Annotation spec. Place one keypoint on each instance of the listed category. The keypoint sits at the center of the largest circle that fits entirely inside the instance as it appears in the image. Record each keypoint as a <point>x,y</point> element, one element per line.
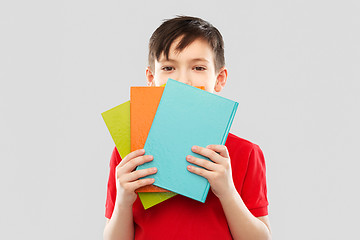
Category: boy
<point>190,50</point>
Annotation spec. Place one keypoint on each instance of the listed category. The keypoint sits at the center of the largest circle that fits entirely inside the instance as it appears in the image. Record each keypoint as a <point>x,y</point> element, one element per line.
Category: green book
<point>117,121</point>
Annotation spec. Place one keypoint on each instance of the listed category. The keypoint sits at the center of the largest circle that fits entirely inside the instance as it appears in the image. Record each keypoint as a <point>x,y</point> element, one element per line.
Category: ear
<point>150,77</point>
<point>221,79</point>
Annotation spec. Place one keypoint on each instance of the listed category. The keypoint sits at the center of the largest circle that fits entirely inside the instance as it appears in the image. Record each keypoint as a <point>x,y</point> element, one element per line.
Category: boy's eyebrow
<point>200,60</point>
<point>192,60</point>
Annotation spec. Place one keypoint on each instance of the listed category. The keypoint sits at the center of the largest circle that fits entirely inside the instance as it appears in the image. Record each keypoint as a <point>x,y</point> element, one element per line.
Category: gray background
<point>293,67</point>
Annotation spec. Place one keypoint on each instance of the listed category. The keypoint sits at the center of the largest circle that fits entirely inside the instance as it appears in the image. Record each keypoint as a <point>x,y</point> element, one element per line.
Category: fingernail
<point>188,157</point>
<point>194,148</point>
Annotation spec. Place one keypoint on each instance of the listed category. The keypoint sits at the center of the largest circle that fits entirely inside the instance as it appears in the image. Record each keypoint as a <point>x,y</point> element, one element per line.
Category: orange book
<point>143,105</point>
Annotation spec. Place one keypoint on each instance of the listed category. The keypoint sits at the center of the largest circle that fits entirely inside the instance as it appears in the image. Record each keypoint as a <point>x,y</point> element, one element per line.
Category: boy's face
<point>194,66</point>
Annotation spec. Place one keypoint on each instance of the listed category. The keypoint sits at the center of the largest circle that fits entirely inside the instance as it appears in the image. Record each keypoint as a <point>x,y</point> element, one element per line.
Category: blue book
<point>186,116</point>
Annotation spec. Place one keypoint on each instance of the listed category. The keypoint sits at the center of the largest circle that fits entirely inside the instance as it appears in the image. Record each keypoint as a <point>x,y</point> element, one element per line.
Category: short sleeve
<point>254,190</point>
<point>111,186</point>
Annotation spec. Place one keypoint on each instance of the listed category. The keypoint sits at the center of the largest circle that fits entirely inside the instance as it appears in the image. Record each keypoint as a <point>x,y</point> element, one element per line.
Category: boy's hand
<point>127,180</point>
<point>217,171</point>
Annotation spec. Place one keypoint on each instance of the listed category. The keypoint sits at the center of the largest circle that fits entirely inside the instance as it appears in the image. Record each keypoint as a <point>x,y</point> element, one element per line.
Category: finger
<point>133,176</point>
<point>132,155</point>
<point>221,149</point>
<point>209,165</point>
<point>215,157</point>
<point>199,171</point>
<point>133,163</point>
<point>140,183</point>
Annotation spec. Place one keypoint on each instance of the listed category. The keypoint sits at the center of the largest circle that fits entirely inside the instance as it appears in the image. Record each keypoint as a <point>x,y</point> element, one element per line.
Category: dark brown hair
<point>190,29</point>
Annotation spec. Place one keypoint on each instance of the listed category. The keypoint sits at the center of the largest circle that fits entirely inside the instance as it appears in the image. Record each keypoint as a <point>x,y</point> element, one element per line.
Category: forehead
<point>199,49</point>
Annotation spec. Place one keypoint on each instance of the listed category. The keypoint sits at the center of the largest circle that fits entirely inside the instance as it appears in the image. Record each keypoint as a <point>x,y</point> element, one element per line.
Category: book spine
<point>206,191</point>
<point>227,129</point>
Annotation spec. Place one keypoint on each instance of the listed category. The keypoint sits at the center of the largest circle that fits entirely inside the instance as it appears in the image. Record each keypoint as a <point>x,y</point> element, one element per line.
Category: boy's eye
<point>199,68</point>
<point>167,68</point>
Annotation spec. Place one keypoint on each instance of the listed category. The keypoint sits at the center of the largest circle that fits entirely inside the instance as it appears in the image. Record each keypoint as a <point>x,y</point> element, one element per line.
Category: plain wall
<point>293,67</point>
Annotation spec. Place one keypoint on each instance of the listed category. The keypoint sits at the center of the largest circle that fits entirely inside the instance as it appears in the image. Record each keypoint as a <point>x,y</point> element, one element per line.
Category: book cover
<point>186,116</point>
<point>149,199</point>
<point>143,105</point>
<point>117,120</point>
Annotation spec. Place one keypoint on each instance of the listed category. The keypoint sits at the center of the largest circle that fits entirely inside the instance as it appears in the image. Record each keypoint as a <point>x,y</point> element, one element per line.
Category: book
<point>143,105</point>
<point>186,116</point>
<point>150,199</point>
<point>117,120</point>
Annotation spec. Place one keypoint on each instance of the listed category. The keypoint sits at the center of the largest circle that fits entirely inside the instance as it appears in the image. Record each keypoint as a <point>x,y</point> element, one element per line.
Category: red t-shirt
<point>183,218</point>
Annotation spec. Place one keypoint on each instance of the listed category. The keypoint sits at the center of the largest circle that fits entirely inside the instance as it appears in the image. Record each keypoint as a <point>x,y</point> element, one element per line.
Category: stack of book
<point>167,122</point>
